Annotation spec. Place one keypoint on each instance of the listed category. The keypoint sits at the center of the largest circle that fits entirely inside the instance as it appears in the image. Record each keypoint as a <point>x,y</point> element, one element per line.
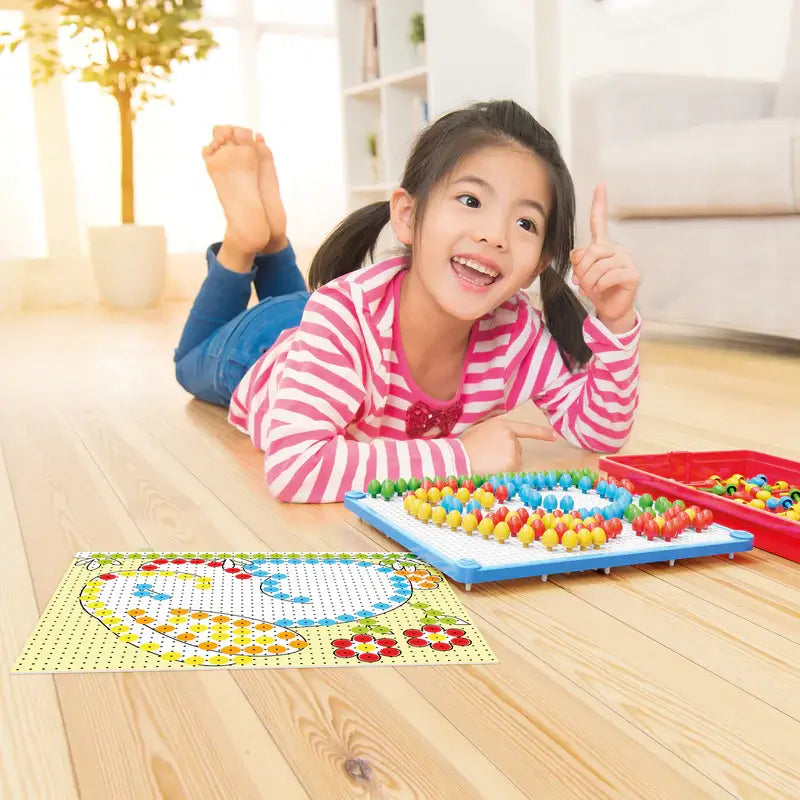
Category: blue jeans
<point>222,337</point>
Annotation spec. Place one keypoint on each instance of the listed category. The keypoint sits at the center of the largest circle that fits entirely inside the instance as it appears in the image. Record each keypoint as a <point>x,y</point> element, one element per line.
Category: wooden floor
<point>676,683</point>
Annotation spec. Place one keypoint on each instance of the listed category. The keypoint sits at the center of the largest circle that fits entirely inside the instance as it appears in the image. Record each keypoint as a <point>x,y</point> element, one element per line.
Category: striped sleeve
<point>322,392</point>
<point>592,408</point>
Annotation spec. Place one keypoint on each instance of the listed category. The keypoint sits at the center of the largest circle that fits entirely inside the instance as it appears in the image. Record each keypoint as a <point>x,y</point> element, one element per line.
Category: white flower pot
<point>130,263</point>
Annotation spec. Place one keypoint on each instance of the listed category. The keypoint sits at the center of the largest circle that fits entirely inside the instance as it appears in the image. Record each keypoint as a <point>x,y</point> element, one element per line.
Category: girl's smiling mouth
<point>476,272</point>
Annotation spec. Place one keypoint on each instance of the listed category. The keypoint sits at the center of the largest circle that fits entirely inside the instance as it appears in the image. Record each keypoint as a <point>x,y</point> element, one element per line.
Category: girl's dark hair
<point>435,154</point>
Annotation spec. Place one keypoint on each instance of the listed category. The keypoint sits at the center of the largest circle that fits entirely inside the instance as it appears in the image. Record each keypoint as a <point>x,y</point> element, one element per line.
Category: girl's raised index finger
<point>598,215</point>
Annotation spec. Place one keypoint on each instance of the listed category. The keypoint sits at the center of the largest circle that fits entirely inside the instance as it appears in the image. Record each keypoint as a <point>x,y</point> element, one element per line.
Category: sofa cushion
<point>740,168</point>
<point>787,98</point>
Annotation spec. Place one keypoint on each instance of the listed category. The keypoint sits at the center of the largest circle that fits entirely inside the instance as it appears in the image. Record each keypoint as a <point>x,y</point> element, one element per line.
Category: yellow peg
<point>469,522</point>
<point>525,535</point>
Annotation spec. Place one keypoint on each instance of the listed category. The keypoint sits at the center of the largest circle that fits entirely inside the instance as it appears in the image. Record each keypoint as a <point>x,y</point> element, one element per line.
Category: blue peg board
<point>472,559</point>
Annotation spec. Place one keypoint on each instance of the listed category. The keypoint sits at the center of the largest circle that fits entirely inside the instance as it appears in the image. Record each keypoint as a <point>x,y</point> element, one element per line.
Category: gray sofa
<point>703,180</point>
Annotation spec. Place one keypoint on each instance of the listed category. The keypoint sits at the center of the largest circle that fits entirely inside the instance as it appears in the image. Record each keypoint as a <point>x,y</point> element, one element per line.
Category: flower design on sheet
<point>437,637</point>
<point>366,648</point>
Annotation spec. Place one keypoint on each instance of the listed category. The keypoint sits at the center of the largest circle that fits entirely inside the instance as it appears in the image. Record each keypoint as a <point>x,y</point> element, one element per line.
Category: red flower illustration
<point>365,648</point>
<point>436,637</point>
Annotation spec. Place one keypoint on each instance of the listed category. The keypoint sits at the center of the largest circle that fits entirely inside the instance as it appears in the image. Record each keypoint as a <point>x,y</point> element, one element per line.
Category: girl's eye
<point>527,225</point>
<point>469,200</point>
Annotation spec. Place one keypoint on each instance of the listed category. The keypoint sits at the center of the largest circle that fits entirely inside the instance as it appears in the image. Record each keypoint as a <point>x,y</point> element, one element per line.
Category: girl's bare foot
<point>233,166</point>
<point>271,197</point>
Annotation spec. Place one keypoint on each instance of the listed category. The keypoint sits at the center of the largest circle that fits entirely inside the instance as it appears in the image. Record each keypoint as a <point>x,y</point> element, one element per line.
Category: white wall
<point>495,44</point>
<point>719,38</point>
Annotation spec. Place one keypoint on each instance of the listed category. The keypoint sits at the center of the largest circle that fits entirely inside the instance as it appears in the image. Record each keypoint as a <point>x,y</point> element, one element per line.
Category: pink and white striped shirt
<point>327,402</point>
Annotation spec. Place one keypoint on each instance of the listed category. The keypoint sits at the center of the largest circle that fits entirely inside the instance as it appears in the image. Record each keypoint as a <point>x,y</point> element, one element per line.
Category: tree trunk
<point>126,139</point>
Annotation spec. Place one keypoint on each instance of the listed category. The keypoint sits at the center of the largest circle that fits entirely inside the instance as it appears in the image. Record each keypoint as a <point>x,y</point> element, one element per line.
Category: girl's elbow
<point>277,491</point>
<point>614,445</point>
<point>283,495</point>
<point>279,488</point>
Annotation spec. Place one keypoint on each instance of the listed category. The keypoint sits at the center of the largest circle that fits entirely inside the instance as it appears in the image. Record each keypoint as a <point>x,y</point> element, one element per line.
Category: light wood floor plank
<point>30,716</point>
<point>552,737</point>
<point>711,724</point>
<point>211,455</point>
<point>171,507</point>
<point>768,603</point>
<point>745,654</point>
<point>353,736</point>
<point>768,565</point>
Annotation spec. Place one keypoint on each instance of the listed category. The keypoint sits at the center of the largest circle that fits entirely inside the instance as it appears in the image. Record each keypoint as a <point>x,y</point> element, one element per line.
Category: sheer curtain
<point>22,232</point>
<point>276,67</point>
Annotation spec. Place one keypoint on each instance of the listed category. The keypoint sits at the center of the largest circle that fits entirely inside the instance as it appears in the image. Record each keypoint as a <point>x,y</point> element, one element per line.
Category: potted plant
<point>130,48</point>
<point>416,34</point>
<point>374,161</point>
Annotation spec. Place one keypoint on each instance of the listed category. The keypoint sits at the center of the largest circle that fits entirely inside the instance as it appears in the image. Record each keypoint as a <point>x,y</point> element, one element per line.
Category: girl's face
<point>482,232</point>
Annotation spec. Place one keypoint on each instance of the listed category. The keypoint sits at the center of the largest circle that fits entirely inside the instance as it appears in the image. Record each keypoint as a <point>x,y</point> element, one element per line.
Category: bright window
<point>307,12</point>
<point>276,66</point>
<point>300,118</point>
<point>22,230</point>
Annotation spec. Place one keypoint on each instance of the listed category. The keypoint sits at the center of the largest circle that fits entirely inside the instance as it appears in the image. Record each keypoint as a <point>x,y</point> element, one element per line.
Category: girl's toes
<point>243,136</point>
<point>222,133</point>
<point>262,145</point>
<point>264,153</point>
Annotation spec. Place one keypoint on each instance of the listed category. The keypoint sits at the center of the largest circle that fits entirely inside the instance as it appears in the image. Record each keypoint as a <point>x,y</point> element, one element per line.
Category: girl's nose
<point>493,233</point>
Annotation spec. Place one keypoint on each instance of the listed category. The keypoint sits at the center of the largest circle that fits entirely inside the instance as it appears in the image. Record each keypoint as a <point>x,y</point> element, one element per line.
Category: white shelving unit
<point>383,105</point>
<point>474,50</point>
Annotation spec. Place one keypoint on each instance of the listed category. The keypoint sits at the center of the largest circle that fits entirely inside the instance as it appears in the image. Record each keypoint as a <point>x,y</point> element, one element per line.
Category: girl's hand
<point>493,446</point>
<point>605,272</point>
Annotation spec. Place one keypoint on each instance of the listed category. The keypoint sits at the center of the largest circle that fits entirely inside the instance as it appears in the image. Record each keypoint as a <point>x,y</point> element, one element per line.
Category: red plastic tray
<point>670,474</point>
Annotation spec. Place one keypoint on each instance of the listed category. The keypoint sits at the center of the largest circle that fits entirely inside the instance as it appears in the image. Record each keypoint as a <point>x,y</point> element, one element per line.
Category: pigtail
<point>347,246</point>
<point>564,316</point>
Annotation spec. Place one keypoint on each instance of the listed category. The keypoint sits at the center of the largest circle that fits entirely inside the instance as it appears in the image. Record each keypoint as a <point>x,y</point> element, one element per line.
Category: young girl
<point>401,368</point>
